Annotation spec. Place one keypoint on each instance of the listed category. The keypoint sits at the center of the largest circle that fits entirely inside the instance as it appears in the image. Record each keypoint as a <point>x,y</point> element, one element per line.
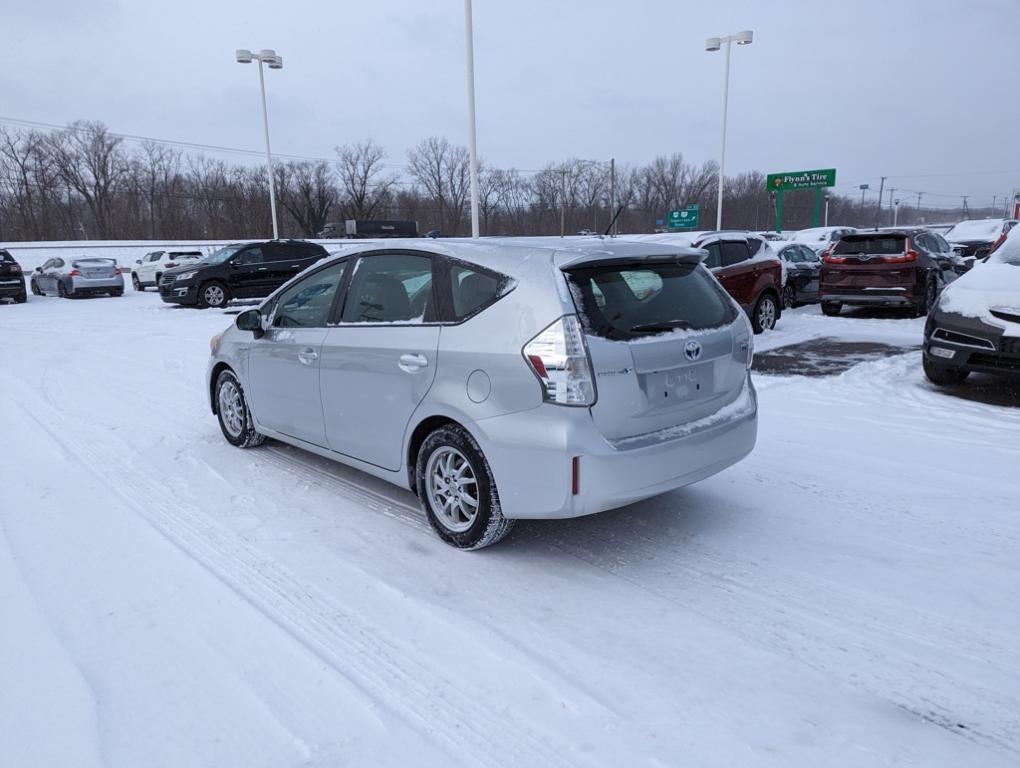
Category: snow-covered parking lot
<point>846,596</point>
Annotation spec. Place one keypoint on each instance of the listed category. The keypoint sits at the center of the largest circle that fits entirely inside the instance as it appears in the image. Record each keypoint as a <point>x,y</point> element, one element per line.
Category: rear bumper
<point>531,455</point>
<point>878,297</point>
<point>97,285</point>
<point>12,286</point>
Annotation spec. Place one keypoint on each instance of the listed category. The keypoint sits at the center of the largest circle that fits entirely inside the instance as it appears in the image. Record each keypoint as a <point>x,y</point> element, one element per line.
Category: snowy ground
<point>846,596</point>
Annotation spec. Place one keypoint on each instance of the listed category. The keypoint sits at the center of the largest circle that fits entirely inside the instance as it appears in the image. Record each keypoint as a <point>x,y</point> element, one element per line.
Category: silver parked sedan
<point>83,276</point>
<point>498,379</point>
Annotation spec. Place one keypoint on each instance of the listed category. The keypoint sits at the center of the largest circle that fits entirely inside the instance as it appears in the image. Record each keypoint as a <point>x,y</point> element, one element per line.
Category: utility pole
<point>895,212</point>
<point>563,201</point>
<point>892,192</point>
<point>612,194</point>
<point>881,186</point>
<point>919,202</point>
<point>864,188</point>
<point>994,198</point>
<point>966,211</point>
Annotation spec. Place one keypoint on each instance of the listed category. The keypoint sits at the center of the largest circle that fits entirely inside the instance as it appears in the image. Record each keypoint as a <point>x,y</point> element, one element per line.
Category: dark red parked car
<point>887,268</point>
<point>749,271</point>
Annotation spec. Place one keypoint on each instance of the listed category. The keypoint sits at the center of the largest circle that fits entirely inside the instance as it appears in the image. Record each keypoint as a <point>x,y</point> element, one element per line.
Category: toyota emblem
<point>692,350</point>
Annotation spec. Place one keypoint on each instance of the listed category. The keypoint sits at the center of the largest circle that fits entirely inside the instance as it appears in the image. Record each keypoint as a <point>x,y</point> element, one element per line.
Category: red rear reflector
<point>575,475</point>
<point>74,273</point>
<point>538,365</point>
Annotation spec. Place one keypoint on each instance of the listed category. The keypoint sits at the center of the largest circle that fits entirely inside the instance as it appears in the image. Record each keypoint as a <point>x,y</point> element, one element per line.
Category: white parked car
<point>149,269</point>
<point>820,238</point>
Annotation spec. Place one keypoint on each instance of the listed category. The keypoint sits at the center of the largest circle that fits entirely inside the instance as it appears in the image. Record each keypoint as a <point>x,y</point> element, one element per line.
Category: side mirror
<point>251,321</point>
<point>39,270</point>
<point>138,261</point>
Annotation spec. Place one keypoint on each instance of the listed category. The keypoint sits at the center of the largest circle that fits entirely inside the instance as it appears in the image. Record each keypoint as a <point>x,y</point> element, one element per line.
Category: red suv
<point>887,268</point>
<point>749,271</point>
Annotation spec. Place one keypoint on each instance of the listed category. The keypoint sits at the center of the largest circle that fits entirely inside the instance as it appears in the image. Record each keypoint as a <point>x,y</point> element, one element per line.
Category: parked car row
<point>81,276</point>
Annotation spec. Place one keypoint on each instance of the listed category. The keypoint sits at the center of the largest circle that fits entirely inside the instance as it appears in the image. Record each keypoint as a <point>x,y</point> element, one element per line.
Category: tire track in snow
<point>393,676</point>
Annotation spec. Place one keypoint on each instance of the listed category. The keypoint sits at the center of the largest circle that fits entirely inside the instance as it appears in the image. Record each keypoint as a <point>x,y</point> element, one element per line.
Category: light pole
<point>714,44</point>
<point>469,46</point>
<point>826,209</point>
<point>863,188</point>
<point>265,56</point>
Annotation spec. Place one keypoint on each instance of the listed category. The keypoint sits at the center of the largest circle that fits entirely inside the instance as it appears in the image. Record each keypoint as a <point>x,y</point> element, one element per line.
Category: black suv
<point>12,281</point>
<point>238,271</point>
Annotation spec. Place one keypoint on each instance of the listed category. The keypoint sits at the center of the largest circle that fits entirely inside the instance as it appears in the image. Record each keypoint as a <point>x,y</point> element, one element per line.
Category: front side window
<point>472,289</point>
<point>390,288</point>
<point>249,256</point>
<point>307,303</point>
<point>224,254</point>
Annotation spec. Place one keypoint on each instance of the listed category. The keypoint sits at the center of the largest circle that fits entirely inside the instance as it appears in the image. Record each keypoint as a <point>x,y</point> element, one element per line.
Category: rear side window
<point>249,256</point>
<point>734,253</point>
<point>888,245</point>
<point>628,302</point>
<point>472,289</point>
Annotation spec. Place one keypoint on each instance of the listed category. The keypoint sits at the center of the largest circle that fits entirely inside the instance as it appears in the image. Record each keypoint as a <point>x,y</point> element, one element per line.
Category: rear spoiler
<point>610,259</point>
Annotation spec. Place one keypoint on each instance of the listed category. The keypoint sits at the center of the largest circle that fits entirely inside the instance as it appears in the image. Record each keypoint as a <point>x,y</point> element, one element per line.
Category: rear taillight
<point>559,358</point>
<point>15,269</point>
<point>828,258</point>
<point>171,265</point>
<point>1000,241</point>
<point>74,273</point>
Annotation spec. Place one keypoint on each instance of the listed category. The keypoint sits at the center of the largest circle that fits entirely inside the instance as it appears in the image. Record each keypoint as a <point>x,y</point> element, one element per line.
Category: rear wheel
<point>789,297</point>
<point>831,308</point>
<point>136,283</point>
<point>21,298</point>
<point>117,292</point>
<point>232,411</point>
<point>35,288</point>
<point>62,291</point>
<point>943,375</point>
<point>213,294</point>
<point>765,313</point>
<point>931,294</point>
<point>457,490</point>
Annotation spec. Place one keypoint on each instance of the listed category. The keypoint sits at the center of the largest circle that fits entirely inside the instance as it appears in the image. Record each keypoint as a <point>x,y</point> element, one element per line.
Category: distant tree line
<point>85,183</point>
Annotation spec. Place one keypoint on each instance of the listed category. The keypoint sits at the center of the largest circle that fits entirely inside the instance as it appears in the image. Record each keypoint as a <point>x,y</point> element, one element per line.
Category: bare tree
<point>442,171</point>
<point>92,162</point>
<point>308,192</point>
<point>364,185</point>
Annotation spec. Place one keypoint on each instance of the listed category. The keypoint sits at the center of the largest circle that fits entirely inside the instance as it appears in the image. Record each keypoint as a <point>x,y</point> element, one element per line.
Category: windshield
<point>1009,251</point>
<point>224,254</point>
<point>625,302</point>
<point>987,229</point>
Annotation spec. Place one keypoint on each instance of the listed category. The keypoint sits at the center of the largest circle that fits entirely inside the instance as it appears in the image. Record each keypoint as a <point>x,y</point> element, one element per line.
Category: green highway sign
<point>686,218</point>
<point>783,182</point>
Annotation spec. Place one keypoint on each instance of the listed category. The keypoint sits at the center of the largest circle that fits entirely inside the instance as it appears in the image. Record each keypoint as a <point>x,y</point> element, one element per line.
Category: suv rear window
<point>627,302</point>
<point>887,245</point>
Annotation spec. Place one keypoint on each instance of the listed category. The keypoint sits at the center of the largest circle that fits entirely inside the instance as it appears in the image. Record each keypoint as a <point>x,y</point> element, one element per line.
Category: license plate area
<point>679,385</point>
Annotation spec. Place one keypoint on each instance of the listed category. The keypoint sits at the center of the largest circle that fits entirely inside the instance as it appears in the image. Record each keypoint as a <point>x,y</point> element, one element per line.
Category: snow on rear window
<point>879,245</point>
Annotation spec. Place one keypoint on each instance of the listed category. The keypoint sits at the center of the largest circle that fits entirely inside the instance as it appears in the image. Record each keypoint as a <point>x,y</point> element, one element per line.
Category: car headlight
<point>185,276</point>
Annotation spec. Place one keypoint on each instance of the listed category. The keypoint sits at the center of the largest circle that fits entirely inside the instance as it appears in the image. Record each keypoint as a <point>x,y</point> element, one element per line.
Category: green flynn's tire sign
<point>783,182</point>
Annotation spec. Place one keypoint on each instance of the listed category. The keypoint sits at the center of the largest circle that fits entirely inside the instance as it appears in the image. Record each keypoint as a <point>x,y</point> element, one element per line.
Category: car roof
<point>517,255</point>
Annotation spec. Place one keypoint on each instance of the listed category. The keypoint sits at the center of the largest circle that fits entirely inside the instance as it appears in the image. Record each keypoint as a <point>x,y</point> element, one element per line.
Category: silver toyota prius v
<point>498,379</point>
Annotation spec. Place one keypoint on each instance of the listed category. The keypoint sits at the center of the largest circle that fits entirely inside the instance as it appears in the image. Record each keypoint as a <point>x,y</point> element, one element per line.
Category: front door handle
<point>308,356</point>
<point>263,269</point>
<point>412,363</point>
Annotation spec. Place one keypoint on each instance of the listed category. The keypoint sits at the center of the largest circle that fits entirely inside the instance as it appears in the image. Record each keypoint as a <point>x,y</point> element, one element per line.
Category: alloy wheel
<point>767,313</point>
<point>231,408</point>
<point>213,295</point>
<point>452,489</point>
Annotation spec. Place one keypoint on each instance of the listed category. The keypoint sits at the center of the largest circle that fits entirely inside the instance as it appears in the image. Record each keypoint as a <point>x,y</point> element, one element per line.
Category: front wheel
<point>457,490</point>
<point>765,313</point>
<point>831,308</point>
<point>136,283</point>
<point>232,411</point>
<point>943,375</point>
<point>35,288</point>
<point>213,294</point>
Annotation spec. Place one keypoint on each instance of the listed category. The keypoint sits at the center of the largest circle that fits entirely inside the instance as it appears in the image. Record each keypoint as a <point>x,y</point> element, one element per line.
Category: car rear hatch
<point>96,269</point>
<point>667,344</point>
<point>874,262</point>
<point>9,268</point>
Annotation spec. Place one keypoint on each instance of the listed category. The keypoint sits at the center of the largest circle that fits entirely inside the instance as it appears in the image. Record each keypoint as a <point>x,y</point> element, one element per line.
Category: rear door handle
<point>263,269</point>
<point>413,363</point>
<point>308,356</point>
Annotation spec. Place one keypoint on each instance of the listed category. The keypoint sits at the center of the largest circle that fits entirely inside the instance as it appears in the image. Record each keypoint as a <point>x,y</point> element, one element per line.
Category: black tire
<point>214,290</point>
<point>118,292</point>
<point>136,283</point>
<point>35,288</point>
<point>766,312</point>
<point>789,297</point>
<point>831,308</point>
<point>62,291</point>
<point>21,298</point>
<point>239,430</point>
<point>488,525</point>
<point>931,294</point>
<point>943,375</point>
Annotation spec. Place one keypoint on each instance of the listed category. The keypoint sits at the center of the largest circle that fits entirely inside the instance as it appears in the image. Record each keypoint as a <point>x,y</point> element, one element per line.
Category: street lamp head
<point>713,44</point>
<point>244,56</point>
<point>266,54</point>
<point>745,38</point>
<point>275,63</point>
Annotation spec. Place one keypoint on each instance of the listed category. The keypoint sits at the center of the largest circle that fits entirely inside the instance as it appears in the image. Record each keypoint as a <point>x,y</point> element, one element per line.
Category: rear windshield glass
<point>95,262</point>
<point>627,302</point>
<point>884,245</point>
<point>4,256</point>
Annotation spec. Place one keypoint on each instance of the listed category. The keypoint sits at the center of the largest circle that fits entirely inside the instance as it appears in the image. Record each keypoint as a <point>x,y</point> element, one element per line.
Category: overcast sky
<point>923,92</point>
